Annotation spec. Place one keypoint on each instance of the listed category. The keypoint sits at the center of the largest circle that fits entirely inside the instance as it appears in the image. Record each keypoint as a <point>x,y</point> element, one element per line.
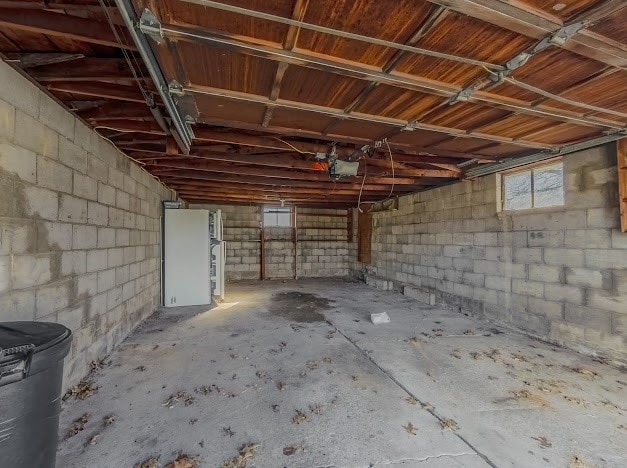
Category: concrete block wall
<point>79,226</point>
<point>322,248</point>
<point>322,242</point>
<point>556,273</point>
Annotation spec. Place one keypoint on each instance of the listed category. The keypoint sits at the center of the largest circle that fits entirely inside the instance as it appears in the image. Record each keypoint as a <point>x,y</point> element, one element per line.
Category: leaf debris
<point>180,396</point>
<point>78,425</point>
<point>184,461</point>
<point>300,417</point>
<point>84,389</point>
<point>410,428</point>
<point>152,462</point>
<point>543,441</point>
<point>449,425</point>
<point>246,454</point>
<point>292,450</point>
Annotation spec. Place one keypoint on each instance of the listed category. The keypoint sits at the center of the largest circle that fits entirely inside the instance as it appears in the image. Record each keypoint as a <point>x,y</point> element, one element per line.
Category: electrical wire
<point>147,96</point>
<point>556,97</point>
<point>293,147</point>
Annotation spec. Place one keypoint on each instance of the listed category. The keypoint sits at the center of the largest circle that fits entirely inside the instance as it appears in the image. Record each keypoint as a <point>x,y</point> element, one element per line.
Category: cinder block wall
<point>559,273</point>
<point>79,226</point>
<point>322,248</point>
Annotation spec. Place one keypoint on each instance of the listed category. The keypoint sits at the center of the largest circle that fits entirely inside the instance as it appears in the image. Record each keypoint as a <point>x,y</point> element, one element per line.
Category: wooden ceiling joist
<point>61,25</point>
<point>98,90</point>
<point>85,69</point>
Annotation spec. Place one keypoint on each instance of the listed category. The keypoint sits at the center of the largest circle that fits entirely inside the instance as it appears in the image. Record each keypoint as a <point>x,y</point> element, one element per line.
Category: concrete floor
<point>275,348</point>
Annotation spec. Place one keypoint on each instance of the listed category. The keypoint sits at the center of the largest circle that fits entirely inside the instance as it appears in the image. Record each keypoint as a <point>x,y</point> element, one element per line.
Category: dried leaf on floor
<point>575,400</point>
<point>181,396</point>
<point>184,461</point>
<point>354,377</point>
<point>519,357</point>
<point>300,417</point>
<point>584,371</point>
<point>226,431</point>
<point>449,425</point>
<point>149,463</point>
<point>281,385</point>
<point>475,355</point>
<point>261,374</point>
<point>207,389</point>
<point>411,400</point>
<point>410,428</point>
<point>543,441</point>
<point>493,354</point>
<point>469,332</point>
<point>457,353</point>
<point>275,408</point>
<point>108,420</point>
<point>427,406</point>
<point>577,462</point>
<point>292,450</point>
<point>93,440</point>
<point>193,421</point>
<point>97,364</point>
<point>84,389</point>
<point>315,409</point>
<point>140,369</point>
<point>438,331</point>
<point>246,455</point>
<point>527,395</point>
<point>327,360</point>
<point>78,425</point>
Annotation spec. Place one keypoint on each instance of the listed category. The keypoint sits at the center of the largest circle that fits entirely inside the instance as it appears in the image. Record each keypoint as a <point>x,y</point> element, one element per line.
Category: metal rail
<point>183,133</point>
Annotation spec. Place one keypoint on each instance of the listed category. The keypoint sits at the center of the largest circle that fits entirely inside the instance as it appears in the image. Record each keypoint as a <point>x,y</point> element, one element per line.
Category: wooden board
<point>621,146</point>
<point>364,234</point>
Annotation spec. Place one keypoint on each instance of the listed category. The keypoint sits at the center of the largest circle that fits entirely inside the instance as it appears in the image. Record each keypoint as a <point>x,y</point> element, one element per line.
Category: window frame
<point>280,209</point>
<point>531,168</point>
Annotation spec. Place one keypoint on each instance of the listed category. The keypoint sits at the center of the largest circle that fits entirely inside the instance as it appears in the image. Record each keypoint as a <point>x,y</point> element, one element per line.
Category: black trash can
<point>31,374</point>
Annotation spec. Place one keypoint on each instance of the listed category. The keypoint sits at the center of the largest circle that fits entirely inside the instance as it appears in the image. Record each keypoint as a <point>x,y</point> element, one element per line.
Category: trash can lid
<point>14,336</point>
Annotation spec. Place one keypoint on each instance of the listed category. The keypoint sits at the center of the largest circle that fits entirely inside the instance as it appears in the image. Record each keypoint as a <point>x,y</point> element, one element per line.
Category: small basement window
<point>541,186</point>
<point>274,216</point>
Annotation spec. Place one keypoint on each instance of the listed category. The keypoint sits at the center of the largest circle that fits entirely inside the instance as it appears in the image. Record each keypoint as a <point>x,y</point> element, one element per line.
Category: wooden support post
<point>349,225</point>
<point>295,238</point>
<point>621,153</point>
<point>262,259</point>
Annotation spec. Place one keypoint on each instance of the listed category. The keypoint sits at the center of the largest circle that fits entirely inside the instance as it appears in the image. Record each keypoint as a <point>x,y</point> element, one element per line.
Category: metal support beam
<point>511,163</point>
<point>182,133</point>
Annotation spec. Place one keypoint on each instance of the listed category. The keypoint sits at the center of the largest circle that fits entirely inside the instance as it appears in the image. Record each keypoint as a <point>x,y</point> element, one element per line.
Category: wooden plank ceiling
<point>270,95</point>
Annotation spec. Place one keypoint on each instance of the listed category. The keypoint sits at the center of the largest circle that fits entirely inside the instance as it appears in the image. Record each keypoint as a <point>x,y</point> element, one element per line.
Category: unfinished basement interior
<point>298,233</point>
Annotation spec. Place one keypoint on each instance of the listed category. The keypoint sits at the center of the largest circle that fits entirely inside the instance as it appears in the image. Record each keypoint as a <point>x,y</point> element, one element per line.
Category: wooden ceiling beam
<point>437,14</point>
<point>115,110</point>
<point>85,69</point>
<point>396,125</point>
<point>280,173</point>
<point>261,196</point>
<point>288,44</point>
<point>532,23</point>
<point>95,89</point>
<point>63,25</point>
<point>169,174</point>
<point>200,201</point>
<point>359,71</point>
<point>271,189</point>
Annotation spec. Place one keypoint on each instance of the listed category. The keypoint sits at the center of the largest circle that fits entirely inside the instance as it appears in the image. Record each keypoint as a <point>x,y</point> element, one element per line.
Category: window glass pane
<point>277,217</point>
<point>517,191</point>
<point>548,186</point>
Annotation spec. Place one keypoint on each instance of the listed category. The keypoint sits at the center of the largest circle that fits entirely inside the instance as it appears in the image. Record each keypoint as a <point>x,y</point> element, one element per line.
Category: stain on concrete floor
<point>298,306</point>
<point>432,388</point>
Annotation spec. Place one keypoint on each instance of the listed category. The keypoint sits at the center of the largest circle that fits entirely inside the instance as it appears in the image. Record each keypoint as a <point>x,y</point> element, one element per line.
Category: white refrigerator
<point>194,257</point>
